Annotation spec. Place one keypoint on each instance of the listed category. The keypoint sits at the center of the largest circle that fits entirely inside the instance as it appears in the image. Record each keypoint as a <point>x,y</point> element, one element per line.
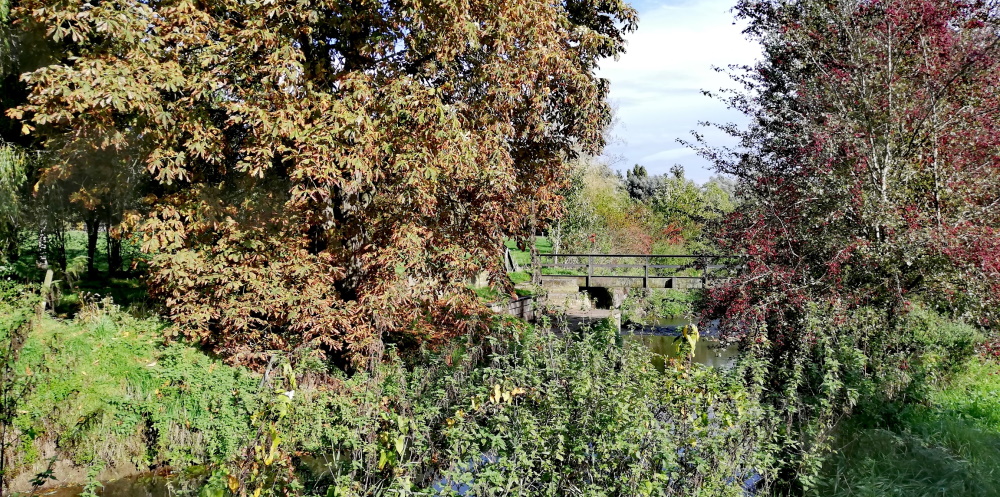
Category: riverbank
<point>111,396</point>
<point>107,397</point>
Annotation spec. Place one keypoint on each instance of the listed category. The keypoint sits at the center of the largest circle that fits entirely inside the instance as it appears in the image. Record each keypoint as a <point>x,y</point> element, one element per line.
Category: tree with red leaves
<point>871,170</point>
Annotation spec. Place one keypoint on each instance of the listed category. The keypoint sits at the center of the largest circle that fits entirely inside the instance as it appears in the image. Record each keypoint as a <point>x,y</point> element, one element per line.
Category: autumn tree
<point>870,173</point>
<point>326,174</point>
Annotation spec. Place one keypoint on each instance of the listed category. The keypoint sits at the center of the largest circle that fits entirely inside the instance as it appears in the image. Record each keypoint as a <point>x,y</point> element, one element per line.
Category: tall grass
<point>948,446</point>
<point>108,389</point>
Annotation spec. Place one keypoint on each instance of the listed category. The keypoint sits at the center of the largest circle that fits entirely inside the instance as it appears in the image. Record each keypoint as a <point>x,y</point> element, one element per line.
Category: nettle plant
<point>537,414</point>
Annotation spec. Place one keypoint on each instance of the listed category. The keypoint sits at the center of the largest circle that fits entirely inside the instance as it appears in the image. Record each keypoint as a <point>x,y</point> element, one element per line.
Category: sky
<point>656,85</point>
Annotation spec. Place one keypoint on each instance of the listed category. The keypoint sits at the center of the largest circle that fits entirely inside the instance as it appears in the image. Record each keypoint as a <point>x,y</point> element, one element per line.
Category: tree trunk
<point>93,233</point>
<point>57,246</point>
<point>43,248</point>
<point>12,249</point>
<point>536,271</point>
<point>556,241</point>
<point>114,249</point>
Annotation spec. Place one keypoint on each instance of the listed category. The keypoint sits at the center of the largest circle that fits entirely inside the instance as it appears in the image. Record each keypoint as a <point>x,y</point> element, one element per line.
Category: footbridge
<point>686,271</point>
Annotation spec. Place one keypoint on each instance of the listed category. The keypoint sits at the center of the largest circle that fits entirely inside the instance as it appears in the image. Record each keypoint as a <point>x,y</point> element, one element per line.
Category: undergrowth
<point>948,445</point>
<point>535,414</point>
<point>524,412</point>
<point>645,306</point>
<point>109,390</point>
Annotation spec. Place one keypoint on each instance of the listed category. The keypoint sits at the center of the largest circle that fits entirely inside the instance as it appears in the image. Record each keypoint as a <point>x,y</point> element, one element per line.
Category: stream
<point>663,340</point>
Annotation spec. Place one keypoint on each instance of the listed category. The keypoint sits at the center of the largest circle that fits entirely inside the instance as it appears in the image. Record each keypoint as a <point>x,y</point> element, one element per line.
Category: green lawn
<point>523,257</point>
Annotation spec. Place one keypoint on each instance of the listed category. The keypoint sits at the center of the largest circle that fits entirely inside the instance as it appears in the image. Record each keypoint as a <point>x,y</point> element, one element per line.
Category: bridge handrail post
<point>590,268</point>
<point>645,273</point>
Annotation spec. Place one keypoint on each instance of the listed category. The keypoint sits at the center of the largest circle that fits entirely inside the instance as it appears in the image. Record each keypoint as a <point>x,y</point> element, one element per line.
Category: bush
<point>17,307</point>
<point>644,306</point>
<point>540,414</point>
<point>526,411</point>
<point>948,445</point>
<point>862,362</point>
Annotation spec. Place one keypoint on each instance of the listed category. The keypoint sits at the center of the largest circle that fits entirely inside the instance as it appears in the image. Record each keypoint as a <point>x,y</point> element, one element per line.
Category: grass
<point>947,446</point>
<point>75,285</point>
<point>108,389</point>
<point>76,247</point>
<point>488,294</point>
<point>523,257</point>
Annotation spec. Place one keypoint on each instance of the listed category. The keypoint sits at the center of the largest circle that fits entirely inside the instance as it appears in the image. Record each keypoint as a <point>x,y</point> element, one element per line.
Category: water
<point>141,485</point>
<point>663,339</point>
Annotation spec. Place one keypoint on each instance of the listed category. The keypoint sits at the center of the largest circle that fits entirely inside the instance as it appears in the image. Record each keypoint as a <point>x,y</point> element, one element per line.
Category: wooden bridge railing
<point>701,267</point>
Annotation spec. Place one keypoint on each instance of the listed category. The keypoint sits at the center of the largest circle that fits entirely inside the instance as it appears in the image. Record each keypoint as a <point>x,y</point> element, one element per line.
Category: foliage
<point>17,307</point>
<point>680,201</point>
<point>545,415</point>
<point>108,389</point>
<point>642,306</point>
<point>600,217</point>
<point>553,414</point>
<point>841,362</point>
<point>265,468</point>
<point>639,184</point>
<point>868,175</point>
<point>946,446</point>
<point>844,162</point>
<point>607,213</point>
<point>13,176</point>
<point>990,347</point>
<point>326,175</point>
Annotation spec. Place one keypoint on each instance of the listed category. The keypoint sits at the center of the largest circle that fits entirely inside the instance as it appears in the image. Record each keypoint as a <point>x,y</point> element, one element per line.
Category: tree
<point>13,166</point>
<point>640,184</point>
<point>680,202</point>
<point>869,175</point>
<point>22,48</point>
<point>874,141</point>
<point>326,174</point>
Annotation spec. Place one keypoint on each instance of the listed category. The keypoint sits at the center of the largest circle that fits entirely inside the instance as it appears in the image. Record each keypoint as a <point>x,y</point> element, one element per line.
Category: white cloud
<point>657,85</point>
<point>667,155</point>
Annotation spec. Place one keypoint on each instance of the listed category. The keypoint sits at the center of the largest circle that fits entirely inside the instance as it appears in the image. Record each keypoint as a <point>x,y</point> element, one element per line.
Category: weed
<point>17,307</point>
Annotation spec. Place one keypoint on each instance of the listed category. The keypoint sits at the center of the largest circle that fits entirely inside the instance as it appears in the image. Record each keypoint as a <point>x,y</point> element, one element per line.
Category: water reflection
<point>662,339</point>
<point>143,485</point>
<point>707,351</point>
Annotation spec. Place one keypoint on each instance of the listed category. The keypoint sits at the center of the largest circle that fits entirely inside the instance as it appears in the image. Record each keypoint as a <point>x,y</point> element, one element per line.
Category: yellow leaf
<point>234,483</point>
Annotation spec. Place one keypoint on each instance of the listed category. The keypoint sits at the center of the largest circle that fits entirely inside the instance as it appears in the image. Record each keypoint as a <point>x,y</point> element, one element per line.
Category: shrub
<point>540,414</point>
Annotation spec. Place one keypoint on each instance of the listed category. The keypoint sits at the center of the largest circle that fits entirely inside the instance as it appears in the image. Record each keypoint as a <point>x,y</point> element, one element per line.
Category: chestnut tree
<point>326,174</point>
